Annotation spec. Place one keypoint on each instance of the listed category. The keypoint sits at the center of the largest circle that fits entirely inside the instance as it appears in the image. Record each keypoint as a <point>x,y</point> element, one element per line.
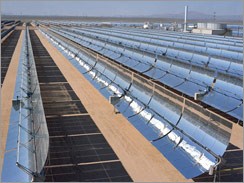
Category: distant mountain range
<point>192,15</point>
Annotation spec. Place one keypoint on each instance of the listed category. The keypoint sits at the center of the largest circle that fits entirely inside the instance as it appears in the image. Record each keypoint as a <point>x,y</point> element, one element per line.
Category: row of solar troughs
<point>159,44</point>
<point>150,31</point>
<point>181,136</point>
<point>156,44</point>
<point>184,41</point>
<point>237,30</point>
<point>90,23</point>
<point>215,81</point>
<point>28,139</point>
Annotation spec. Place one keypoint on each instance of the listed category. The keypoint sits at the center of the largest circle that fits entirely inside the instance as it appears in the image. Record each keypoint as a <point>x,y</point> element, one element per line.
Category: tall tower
<point>214,16</point>
<point>186,12</point>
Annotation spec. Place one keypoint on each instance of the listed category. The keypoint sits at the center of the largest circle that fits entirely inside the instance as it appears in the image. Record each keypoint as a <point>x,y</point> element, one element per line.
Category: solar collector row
<point>221,50</point>
<point>186,57</point>
<point>198,37</point>
<point>222,89</point>
<point>136,54</point>
<point>144,53</point>
<point>205,38</point>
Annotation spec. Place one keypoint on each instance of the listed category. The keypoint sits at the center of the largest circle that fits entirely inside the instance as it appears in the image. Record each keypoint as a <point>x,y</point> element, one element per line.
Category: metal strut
<point>154,140</point>
<point>182,111</point>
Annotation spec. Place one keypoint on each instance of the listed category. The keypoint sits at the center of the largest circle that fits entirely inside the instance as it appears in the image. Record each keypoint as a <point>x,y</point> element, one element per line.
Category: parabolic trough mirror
<point>28,139</point>
<point>187,139</point>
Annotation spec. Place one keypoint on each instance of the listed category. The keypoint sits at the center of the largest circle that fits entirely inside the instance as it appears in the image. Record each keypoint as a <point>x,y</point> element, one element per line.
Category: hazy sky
<point>120,7</point>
